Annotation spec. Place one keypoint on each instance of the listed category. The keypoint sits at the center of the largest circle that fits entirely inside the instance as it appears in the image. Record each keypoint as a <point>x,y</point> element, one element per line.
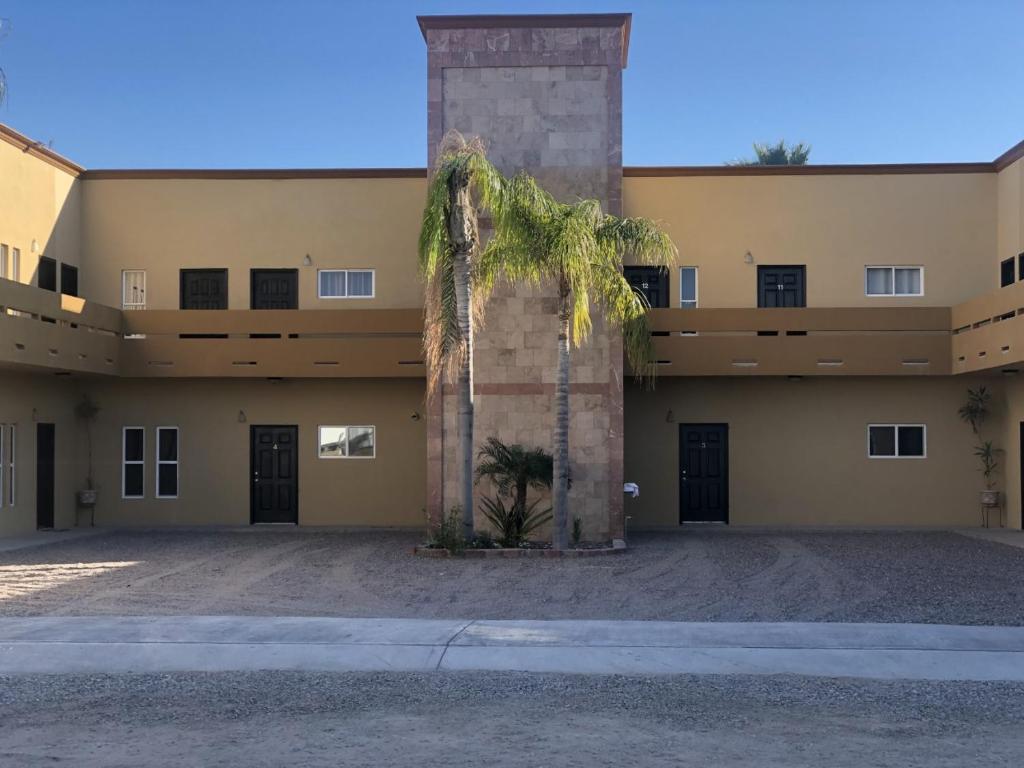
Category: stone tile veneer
<point>545,97</point>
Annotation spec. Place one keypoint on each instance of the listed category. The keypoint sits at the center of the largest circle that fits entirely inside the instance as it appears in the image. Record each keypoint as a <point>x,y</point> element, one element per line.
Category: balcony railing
<point>42,329</point>
<point>274,343</point>
<point>988,331</point>
<point>803,342</point>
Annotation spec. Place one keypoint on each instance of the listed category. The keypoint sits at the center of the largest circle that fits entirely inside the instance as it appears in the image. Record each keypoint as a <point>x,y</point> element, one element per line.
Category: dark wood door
<point>703,473</point>
<point>649,282</point>
<point>275,483</point>
<point>275,289</point>
<point>68,280</point>
<point>781,287</point>
<point>46,277</point>
<point>204,289</point>
<point>45,471</point>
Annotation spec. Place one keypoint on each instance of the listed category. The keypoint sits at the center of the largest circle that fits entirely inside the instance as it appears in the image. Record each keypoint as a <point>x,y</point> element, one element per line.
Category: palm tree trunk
<point>560,489</point>
<point>463,234</point>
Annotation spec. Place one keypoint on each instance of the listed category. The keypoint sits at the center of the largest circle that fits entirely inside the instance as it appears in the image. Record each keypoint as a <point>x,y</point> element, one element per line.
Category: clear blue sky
<point>332,83</point>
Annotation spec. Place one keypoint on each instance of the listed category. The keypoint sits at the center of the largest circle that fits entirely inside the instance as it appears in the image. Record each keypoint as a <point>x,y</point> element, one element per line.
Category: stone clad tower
<point>544,93</point>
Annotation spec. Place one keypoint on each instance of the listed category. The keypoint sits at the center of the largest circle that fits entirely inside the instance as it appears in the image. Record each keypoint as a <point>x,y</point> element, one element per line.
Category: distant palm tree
<point>449,240</point>
<point>5,26</point>
<point>777,154</point>
<point>579,248</point>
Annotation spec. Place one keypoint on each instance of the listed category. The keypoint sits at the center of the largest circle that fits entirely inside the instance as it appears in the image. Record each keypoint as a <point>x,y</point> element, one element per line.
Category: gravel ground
<point>275,719</point>
<point>932,577</point>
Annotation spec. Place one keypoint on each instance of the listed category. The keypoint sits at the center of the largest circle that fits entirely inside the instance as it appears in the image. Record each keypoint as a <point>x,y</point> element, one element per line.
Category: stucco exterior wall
<point>834,224</point>
<point>26,400</point>
<point>164,225</point>
<point>214,467</point>
<point>38,202</point>
<point>1010,185</point>
<point>797,451</point>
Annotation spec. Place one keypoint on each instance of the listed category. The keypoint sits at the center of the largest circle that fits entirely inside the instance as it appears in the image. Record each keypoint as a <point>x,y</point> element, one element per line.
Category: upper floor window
<point>3,260</point>
<point>346,283</point>
<point>133,289</point>
<point>894,281</point>
<point>15,273</point>
<point>46,277</point>
<point>1006,272</point>
<point>688,287</point>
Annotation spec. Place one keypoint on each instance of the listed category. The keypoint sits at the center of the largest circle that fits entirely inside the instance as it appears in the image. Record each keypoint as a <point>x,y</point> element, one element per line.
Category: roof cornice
<point>39,150</point>
<point>1010,156</point>
<point>527,21</point>
<point>808,170</point>
<point>255,173</point>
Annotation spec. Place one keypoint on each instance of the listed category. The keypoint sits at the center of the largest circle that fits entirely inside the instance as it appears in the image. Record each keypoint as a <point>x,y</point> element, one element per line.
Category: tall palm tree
<point>463,181</point>
<point>580,249</point>
<point>5,26</point>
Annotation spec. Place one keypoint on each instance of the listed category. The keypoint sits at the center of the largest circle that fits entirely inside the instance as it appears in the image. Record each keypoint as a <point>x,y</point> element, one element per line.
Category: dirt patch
<point>932,577</point>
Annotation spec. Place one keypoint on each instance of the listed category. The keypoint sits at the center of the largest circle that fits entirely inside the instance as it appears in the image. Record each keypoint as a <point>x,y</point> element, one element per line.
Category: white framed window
<point>12,455</point>
<point>7,453</point>
<point>3,260</point>
<point>346,283</point>
<point>894,281</point>
<point>15,273</point>
<point>688,287</point>
<point>897,441</point>
<point>335,442</point>
<point>133,289</point>
<point>133,462</point>
<point>167,449</point>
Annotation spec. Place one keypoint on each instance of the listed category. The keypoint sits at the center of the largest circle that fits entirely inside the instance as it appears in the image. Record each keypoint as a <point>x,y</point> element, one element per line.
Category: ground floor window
<point>345,284</point>
<point>8,444</point>
<point>896,441</point>
<point>167,462</point>
<point>347,442</point>
<point>133,453</point>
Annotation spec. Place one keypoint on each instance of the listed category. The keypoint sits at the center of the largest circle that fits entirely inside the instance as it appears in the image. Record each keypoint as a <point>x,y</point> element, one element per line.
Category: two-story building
<point>252,338</point>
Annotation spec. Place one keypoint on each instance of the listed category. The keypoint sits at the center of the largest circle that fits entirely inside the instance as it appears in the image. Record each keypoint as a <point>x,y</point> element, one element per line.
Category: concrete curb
<point>94,645</point>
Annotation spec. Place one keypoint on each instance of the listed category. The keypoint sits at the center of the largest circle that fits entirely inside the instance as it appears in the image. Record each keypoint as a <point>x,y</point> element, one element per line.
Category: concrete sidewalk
<point>211,644</point>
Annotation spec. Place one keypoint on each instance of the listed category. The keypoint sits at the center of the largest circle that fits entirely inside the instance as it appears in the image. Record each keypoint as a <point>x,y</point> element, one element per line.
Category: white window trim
<point>124,286</point>
<point>160,462</point>
<point>696,286</point>
<point>346,427</point>
<point>125,462</point>
<point>373,284</point>
<point>3,464</point>
<point>896,436</point>
<point>3,260</point>
<point>12,487</point>
<point>15,273</point>
<point>893,268</point>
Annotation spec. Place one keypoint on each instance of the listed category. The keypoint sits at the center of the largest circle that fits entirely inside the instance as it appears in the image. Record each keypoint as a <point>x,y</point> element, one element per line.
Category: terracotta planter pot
<point>989,498</point>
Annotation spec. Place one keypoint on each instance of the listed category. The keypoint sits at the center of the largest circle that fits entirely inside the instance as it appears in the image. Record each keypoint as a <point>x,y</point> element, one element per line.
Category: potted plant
<point>86,410</point>
<point>975,412</point>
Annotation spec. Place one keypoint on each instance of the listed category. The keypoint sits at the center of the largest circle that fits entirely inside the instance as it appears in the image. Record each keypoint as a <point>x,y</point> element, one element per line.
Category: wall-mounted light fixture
<point>795,378</point>
<point>35,246</point>
<point>670,417</point>
<point>241,416</point>
<point>415,416</point>
<point>307,261</point>
<point>748,257</point>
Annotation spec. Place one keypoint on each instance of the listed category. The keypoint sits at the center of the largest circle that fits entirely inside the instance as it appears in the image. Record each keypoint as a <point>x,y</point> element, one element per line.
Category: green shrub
<point>577,531</point>
<point>514,524</point>
<point>447,533</point>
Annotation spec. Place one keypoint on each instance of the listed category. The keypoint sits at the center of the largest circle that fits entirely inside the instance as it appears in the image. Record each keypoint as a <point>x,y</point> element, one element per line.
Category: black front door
<point>204,289</point>
<point>45,448</point>
<point>781,287</point>
<point>275,483</point>
<point>275,289</point>
<point>649,282</point>
<point>703,473</point>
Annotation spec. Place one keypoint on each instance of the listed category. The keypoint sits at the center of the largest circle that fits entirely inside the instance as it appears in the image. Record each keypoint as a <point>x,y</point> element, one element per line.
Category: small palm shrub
<point>514,524</point>
<point>447,532</point>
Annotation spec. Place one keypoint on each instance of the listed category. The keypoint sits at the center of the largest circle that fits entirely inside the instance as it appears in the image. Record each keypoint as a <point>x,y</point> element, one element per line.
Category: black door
<point>275,289</point>
<point>275,483</point>
<point>204,289</point>
<point>68,280</point>
<point>781,287</point>
<point>45,446</point>
<point>703,473</point>
<point>46,277</point>
<point>649,282</point>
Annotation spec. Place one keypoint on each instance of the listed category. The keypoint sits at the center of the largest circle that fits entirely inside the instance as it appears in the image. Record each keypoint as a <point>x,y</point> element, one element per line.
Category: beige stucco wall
<point>163,225</point>
<point>388,490</point>
<point>1005,433</point>
<point>834,224</point>
<point>24,400</point>
<point>798,450</point>
<point>1010,184</point>
<point>37,202</point>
